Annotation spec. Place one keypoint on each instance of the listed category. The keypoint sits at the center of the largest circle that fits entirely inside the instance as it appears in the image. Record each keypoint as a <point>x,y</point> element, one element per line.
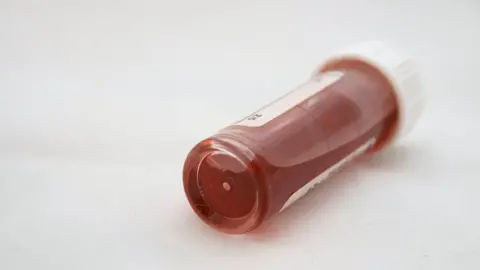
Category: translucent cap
<point>399,69</point>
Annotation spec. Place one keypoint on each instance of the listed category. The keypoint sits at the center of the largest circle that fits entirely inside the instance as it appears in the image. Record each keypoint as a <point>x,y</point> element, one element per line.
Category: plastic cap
<point>399,69</point>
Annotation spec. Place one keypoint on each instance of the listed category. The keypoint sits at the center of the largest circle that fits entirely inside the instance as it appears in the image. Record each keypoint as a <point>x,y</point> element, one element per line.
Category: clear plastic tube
<point>250,171</point>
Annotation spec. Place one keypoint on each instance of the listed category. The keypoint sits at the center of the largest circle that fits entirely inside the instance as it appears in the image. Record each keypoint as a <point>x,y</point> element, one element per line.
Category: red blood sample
<point>356,102</point>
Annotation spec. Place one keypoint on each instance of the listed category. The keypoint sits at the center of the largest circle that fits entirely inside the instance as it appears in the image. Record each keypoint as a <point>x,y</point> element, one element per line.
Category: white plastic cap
<point>399,69</point>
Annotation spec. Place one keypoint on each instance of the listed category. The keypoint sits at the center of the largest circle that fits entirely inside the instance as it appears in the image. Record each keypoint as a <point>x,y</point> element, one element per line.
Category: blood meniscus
<point>359,101</point>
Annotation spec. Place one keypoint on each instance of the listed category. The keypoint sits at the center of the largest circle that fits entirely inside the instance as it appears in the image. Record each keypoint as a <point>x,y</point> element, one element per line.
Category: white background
<point>101,100</point>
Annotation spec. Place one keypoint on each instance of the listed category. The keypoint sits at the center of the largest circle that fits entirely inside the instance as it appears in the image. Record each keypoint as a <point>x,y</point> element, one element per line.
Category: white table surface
<point>101,100</point>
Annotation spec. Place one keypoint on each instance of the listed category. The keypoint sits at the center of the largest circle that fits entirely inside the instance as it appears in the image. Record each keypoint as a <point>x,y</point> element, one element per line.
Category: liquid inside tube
<point>253,169</point>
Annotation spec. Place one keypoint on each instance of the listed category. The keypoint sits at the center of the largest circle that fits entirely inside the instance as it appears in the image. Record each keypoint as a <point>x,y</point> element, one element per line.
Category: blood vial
<point>359,101</point>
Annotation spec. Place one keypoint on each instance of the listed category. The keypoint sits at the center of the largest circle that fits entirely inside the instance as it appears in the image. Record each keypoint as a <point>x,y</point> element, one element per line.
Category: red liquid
<point>244,175</point>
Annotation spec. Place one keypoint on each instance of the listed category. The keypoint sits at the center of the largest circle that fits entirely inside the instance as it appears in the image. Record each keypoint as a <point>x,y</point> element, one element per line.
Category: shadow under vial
<point>396,158</point>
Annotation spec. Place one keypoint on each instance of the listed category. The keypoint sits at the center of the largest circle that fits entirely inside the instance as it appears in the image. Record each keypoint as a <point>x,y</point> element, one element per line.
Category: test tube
<point>358,101</point>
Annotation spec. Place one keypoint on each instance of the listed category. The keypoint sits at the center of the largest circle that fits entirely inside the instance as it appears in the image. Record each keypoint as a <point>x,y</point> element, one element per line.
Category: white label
<point>290,100</point>
<point>327,173</point>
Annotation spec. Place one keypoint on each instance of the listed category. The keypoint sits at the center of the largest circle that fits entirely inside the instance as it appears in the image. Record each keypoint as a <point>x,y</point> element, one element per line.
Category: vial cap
<point>399,69</point>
